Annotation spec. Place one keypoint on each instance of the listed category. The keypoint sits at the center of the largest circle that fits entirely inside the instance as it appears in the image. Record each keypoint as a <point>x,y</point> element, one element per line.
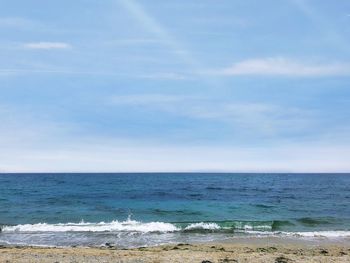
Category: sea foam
<point>203,226</point>
<point>129,225</point>
<point>326,234</point>
<point>314,234</point>
<point>114,226</point>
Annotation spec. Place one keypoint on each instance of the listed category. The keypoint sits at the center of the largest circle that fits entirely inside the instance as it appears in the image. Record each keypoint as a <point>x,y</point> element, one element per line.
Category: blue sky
<point>135,85</point>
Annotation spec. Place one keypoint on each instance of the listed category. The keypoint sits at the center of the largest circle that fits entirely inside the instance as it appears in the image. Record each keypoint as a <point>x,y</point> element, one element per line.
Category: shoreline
<point>207,252</point>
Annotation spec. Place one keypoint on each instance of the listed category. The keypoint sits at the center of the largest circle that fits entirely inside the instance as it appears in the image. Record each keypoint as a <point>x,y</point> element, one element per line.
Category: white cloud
<point>280,66</point>
<point>47,45</point>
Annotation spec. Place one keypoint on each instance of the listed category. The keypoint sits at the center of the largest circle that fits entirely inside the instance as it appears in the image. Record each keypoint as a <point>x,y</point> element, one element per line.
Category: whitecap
<point>113,226</point>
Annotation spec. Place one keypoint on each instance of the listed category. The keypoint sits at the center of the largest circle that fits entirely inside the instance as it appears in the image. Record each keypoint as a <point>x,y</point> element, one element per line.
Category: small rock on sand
<point>283,259</point>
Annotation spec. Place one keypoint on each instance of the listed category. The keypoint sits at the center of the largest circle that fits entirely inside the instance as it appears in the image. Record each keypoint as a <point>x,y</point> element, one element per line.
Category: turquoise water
<point>154,208</point>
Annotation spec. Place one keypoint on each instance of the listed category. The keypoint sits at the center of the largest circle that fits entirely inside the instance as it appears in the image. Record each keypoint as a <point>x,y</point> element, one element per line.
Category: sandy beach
<point>182,253</point>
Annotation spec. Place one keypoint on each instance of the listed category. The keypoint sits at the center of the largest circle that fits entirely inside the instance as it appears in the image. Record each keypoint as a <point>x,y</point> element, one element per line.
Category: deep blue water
<point>232,204</point>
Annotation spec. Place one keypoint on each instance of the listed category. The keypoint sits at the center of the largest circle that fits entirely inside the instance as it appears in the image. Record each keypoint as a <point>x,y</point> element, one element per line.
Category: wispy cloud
<point>280,66</point>
<point>146,99</point>
<point>153,26</point>
<point>134,41</point>
<point>259,118</point>
<point>113,156</point>
<point>33,144</point>
<point>331,33</point>
<point>16,22</point>
<point>263,119</point>
<point>47,45</point>
<point>18,71</point>
<point>24,127</point>
<point>161,33</point>
<point>165,76</point>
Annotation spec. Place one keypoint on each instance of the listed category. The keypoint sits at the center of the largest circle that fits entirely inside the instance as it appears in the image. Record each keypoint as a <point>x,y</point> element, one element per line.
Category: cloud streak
<point>97,156</point>
<point>159,76</point>
<point>331,34</point>
<point>280,66</point>
<point>29,143</point>
<point>17,22</point>
<point>162,34</point>
<point>257,118</point>
<point>47,45</point>
<point>153,26</point>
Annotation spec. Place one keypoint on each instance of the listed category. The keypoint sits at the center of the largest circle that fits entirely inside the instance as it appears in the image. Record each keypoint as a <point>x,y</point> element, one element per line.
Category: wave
<point>254,228</point>
<point>328,234</point>
<point>308,221</point>
<point>114,226</point>
<point>231,225</point>
<point>310,234</point>
<point>136,226</point>
<point>202,226</point>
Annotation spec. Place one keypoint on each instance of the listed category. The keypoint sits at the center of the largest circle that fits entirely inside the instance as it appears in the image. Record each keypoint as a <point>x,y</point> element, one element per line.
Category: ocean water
<point>141,209</point>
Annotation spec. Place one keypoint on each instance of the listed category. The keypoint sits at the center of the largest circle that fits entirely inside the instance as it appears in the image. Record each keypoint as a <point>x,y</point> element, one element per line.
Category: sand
<point>182,253</point>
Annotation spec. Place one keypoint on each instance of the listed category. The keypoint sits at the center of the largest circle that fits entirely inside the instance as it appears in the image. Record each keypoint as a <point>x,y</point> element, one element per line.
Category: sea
<point>146,209</point>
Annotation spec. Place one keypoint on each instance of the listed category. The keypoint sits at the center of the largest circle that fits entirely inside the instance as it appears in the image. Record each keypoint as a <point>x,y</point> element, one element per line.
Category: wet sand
<point>183,253</point>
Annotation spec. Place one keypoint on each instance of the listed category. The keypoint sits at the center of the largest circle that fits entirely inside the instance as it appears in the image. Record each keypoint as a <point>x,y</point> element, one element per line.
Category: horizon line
<point>175,172</point>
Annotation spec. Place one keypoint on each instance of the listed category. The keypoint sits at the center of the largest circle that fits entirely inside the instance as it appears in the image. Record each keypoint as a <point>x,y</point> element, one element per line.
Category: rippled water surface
<point>141,209</point>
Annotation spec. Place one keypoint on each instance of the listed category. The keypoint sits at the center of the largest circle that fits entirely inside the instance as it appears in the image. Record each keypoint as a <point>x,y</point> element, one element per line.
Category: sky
<point>175,86</point>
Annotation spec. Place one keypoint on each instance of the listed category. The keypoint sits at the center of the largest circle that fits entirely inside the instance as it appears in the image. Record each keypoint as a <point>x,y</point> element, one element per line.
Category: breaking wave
<point>114,226</point>
<point>258,228</point>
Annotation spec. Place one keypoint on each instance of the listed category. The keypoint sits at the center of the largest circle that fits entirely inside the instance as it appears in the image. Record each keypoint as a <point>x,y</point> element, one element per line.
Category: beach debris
<point>218,248</point>
<point>323,251</point>
<point>283,259</point>
<point>109,245</point>
<point>268,249</point>
<point>227,260</point>
<point>248,250</point>
<point>183,244</point>
<point>206,261</point>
